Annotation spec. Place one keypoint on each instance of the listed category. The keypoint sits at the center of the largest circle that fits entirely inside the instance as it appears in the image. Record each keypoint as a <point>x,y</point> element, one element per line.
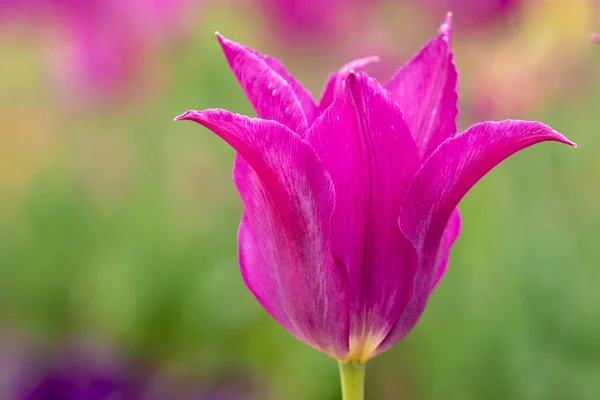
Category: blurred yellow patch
<point>29,138</point>
<point>542,56</point>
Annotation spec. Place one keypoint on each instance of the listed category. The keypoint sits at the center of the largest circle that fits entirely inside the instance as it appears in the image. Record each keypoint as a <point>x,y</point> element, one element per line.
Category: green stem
<point>353,380</point>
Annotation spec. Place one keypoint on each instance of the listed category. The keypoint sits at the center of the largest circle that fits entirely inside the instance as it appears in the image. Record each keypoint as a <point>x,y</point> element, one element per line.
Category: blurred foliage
<point>118,224</point>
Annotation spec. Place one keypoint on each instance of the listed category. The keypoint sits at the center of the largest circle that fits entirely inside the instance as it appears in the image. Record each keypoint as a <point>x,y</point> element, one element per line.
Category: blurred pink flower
<point>473,14</point>
<point>318,21</point>
<point>98,42</point>
<point>315,21</point>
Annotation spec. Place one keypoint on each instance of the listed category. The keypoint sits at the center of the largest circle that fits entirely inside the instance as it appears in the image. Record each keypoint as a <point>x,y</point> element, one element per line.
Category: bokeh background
<point>118,258</point>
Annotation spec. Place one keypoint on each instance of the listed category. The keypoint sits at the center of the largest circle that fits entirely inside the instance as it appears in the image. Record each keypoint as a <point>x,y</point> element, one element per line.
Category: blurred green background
<point>118,224</point>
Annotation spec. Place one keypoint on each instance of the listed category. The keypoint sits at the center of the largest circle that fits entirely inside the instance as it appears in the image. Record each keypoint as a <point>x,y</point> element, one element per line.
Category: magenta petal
<point>436,190</point>
<point>335,80</point>
<point>425,89</point>
<point>272,96</point>
<point>367,148</point>
<point>311,111</point>
<point>284,248</point>
<point>304,97</point>
<point>451,232</point>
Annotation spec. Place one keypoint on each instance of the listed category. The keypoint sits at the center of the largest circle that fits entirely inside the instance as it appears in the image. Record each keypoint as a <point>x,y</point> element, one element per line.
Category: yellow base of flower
<point>363,349</point>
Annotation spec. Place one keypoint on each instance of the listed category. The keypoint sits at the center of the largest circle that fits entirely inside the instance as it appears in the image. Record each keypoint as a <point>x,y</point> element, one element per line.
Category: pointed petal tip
<point>221,39</point>
<point>541,128</point>
<point>448,20</point>
<point>559,137</point>
<point>183,117</point>
<point>446,28</point>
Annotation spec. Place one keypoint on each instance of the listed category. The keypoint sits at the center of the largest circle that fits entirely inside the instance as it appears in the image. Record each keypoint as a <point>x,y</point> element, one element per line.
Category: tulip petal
<point>271,94</point>
<point>425,89</point>
<point>304,97</point>
<point>367,148</point>
<point>311,111</point>
<point>440,184</point>
<point>335,80</point>
<point>450,235</point>
<point>284,247</point>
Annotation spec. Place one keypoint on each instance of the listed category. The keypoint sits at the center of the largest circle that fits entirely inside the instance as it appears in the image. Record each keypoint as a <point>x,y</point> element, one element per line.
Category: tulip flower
<point>350,205</point>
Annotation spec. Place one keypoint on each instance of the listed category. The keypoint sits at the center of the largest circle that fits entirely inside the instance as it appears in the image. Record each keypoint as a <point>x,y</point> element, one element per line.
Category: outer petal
<point>438,187</point>
<point>284,251</point>
<point>450,235</point>
<point>335,80</point>
<point>368,150</point>
<point>425,89</point>
<point>271,95</point>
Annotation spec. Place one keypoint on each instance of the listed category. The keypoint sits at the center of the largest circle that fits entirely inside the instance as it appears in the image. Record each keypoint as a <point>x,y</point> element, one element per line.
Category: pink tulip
<point>350,206</point>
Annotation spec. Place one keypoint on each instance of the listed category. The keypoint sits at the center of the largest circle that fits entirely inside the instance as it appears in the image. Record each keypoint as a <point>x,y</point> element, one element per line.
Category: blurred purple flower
<point>91,370</point>
<point>219,396</point>
<point>99,42</point>
<point>473,14</point>
<point>76,373</point>
<point>350,205</point>
<point>318,21</point>
<point>314,21</point>
<point>595,37</point>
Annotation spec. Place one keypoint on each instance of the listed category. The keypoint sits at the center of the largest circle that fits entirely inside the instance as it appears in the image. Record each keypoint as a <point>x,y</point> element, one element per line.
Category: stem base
<point>353,380</point>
